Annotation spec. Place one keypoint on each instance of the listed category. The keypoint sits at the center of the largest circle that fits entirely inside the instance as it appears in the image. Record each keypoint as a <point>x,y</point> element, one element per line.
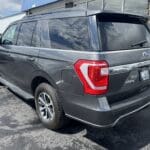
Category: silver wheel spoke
<point>50,113</point>
<point>46,113</point>
<point>46,106</point>
<point>50,103</point>
<point>42,108</point>
<point>44,96</point>
<point>41,101</point>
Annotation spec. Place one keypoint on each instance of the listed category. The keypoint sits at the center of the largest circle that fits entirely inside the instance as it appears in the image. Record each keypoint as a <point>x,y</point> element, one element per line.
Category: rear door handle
<point>31,58</point>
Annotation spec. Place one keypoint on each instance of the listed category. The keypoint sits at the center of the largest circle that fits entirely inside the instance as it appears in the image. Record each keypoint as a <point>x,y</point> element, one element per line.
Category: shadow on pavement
<point>131,133</point>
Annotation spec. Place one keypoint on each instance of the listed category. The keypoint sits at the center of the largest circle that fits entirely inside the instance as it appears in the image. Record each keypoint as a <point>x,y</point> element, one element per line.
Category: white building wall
<point>5,22</point>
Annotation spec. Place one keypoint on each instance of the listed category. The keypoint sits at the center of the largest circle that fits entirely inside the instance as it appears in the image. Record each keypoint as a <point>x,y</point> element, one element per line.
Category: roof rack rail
<point>54,12</point>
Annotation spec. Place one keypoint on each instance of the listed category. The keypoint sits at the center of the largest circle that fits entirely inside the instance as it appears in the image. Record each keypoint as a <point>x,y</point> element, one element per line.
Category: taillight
<point>94,76</point>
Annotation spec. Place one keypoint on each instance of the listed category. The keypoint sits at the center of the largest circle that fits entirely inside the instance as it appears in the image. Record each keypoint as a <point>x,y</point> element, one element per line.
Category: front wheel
<point>49,107</point>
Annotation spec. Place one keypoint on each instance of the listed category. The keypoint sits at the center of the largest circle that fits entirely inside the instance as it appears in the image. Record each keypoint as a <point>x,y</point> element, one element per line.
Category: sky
<point>9,7</point>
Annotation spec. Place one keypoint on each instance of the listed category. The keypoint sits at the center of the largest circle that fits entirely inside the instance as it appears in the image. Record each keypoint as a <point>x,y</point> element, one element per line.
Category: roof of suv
<point>74,13</point>
<point>63,13</point>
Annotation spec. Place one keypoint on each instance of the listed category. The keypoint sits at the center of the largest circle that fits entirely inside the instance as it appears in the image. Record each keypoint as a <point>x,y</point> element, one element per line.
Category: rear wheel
<point>49,107</point>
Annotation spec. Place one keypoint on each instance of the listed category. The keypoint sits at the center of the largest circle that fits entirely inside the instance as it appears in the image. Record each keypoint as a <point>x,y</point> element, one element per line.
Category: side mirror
<point>6,42</point>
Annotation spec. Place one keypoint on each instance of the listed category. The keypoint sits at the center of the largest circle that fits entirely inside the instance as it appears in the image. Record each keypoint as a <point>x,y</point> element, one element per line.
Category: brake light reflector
<point>94,76</point>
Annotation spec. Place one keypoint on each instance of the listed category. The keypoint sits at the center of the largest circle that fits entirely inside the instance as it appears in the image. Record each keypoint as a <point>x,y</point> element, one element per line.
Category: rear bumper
<point>99,123</point>
<point>97,112</point>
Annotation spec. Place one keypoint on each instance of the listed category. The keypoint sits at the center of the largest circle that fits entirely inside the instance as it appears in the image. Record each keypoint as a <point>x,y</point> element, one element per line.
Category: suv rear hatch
<point>125,42</point>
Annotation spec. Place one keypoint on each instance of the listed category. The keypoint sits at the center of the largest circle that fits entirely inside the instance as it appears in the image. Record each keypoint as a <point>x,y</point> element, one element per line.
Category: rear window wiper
<point>141,43</point>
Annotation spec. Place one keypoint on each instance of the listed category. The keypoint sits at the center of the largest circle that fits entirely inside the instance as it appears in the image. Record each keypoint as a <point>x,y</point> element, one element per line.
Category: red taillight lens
<point>94,76</point>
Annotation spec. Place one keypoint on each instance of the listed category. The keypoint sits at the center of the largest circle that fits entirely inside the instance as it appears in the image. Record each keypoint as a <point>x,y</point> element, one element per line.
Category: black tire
<point>58,120</point>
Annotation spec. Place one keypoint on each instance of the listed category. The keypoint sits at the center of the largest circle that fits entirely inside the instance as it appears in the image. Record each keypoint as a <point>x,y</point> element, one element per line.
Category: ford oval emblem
<point>146,54</point>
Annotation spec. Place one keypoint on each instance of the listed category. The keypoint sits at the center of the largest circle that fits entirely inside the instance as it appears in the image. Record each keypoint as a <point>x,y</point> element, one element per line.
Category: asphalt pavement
<point>20,129</point>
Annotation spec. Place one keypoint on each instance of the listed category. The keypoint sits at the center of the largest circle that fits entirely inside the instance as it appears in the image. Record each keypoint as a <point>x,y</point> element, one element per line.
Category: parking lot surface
<point>20,129</point>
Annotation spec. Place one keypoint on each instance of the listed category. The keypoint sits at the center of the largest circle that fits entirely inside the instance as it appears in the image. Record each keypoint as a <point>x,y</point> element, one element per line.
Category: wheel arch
<point>41,77</point>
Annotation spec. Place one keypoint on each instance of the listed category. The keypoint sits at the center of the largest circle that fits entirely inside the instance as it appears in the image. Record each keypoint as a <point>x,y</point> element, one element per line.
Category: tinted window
<point>69,33</point>
<point>35,38</point>
<point>45,37</point>
<point>123,34</point>
<point>9,36</point>
<point>26,34</point>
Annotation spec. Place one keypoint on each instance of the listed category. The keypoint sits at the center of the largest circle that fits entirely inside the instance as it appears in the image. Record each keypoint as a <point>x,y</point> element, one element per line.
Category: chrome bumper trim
<point>127,67</point>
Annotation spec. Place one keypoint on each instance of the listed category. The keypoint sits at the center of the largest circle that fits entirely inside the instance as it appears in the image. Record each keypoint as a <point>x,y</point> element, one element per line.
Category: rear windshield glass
<point>123,33</point>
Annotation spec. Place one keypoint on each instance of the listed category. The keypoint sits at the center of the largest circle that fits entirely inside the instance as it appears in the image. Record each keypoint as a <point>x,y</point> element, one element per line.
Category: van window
<point>123,33</point>
<point>9,36</point>
<point>69,33</point>
<point>26,34</point>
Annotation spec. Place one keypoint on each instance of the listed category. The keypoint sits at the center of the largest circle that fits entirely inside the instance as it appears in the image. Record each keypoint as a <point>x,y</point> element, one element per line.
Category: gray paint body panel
<point>20,65</point>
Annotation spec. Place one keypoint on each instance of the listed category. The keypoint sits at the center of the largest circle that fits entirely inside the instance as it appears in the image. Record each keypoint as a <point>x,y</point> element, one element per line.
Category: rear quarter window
<point>69,33</point>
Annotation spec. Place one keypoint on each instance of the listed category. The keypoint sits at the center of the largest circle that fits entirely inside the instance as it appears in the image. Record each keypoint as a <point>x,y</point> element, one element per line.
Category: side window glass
<point>45,37</point>
<point>9,36</point>
<point>69,33</point>
<point>35,38</point>
<point>26,34</point>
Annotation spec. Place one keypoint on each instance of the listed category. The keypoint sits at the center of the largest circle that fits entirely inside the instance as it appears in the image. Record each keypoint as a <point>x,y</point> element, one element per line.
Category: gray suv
<point>90,66</point>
